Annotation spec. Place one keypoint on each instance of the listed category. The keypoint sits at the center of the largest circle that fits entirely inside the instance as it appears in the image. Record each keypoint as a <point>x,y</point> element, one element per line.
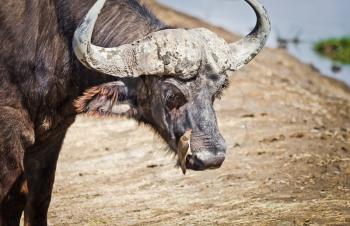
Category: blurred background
<point>287,130</point>
<point>298,26</point>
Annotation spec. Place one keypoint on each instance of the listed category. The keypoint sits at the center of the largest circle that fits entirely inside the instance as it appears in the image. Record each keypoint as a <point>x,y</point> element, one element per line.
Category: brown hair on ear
<point>105,100</point>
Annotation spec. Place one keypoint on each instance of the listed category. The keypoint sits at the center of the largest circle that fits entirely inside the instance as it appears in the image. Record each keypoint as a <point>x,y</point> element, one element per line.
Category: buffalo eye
<point>174,98</point>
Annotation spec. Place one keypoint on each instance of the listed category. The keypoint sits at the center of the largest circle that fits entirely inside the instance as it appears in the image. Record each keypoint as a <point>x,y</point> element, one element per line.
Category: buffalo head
<point>170,80</point>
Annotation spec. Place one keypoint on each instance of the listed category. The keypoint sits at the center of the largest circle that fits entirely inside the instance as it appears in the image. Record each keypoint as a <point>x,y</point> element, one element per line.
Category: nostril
<point>205,160</point>
<point>210,159</point>
<point>207,153</point>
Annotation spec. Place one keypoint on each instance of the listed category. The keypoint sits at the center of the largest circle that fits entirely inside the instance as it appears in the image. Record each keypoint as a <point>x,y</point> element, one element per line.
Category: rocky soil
<point>288,162</point>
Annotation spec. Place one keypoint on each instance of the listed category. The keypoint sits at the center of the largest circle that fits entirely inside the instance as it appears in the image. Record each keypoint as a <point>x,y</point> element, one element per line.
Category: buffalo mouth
<point>199,160</point>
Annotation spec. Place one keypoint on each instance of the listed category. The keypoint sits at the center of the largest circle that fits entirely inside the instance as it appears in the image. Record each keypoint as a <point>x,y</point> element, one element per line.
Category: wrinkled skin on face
<point>172,107</point>
<point>178,108</point>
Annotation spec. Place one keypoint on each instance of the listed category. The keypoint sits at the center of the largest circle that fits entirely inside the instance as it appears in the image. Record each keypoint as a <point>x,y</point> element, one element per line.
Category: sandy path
<point>288,132</point>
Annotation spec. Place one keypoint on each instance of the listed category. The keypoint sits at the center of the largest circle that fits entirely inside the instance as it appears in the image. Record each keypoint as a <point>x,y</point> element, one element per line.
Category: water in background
<point>309,21</point>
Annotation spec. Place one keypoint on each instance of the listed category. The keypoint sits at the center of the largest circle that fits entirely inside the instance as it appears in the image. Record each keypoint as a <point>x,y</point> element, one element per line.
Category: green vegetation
<point>336,49</point>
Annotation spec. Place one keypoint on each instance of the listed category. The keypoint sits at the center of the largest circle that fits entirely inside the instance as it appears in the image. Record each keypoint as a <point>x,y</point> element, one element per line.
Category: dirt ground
<point>288,161</point>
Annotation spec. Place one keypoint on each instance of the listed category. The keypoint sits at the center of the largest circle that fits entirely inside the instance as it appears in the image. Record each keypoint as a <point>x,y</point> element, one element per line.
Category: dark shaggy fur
<point>39,80</point>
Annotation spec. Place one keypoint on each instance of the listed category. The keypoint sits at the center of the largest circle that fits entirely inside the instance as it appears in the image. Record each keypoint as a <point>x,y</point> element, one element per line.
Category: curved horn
<point>164,52</point>
<point>247,48</point>
<point>173,52</point>
<point>95,57</point>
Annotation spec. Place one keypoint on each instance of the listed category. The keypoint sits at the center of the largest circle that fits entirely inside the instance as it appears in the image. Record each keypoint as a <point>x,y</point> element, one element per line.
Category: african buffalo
<point>49,71</point>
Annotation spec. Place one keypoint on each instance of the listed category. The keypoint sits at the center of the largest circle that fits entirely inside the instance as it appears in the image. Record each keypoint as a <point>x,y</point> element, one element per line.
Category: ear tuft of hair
<point>110,99</point>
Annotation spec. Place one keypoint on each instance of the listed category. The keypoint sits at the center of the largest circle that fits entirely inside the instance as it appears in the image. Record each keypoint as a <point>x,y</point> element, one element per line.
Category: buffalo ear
<point>108,99</point>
